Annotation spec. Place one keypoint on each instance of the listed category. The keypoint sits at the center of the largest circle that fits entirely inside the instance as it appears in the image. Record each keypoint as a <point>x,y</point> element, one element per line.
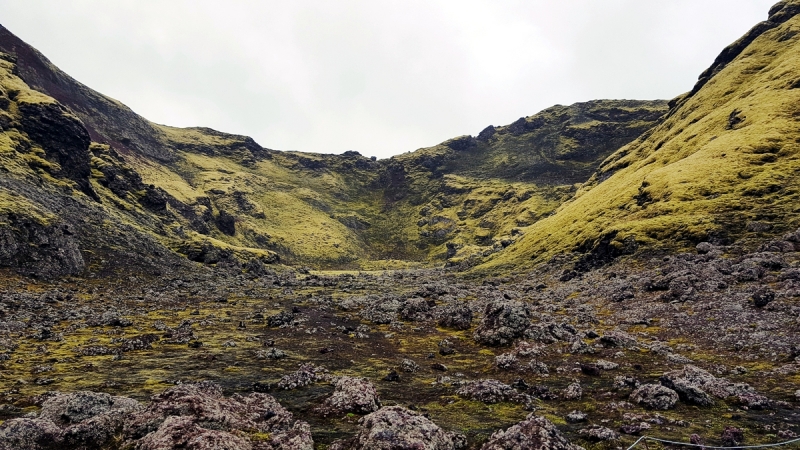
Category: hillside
<point>465,198</point>
<point>722,166</point>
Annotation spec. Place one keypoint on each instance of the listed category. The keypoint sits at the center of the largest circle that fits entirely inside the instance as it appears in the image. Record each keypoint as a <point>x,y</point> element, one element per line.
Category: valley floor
<point>600,354</point>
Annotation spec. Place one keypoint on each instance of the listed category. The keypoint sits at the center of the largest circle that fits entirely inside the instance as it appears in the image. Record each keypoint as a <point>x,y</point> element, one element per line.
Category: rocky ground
<point>702,346</point>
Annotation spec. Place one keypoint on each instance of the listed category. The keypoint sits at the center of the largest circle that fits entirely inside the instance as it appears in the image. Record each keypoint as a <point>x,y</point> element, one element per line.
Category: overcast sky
<point>376,76</point>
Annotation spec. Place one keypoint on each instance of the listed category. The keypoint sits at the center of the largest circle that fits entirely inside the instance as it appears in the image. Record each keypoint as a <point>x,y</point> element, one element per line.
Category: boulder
<point>732,437</point>
<point>89,418</point>
<point>29,434</point>
<point>572,392</point>
<point>393,428</point>
<point>182,432</point>
<point>198,416</point>
<point>456,317</point>
<point>382,311</point>
<point>599,434</point>
<point>65,409</point>
<point>695,385</point>
<point>303,376</point>
<point>351,394</point>
<point>575,417</point>
<point>534,432</point>
<point>492,391</point>
<point>415,309</point>
<point>503,322</point>
<point>618,339</point>
<point>654,396</point>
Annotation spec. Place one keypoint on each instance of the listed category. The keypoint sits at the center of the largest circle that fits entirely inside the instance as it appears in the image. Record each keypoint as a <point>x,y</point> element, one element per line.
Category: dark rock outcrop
<point>39,249</point>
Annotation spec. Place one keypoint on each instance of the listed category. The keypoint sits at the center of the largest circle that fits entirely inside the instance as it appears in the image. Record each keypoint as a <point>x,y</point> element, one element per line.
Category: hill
<point>722,166</point>
<point>210,196</point>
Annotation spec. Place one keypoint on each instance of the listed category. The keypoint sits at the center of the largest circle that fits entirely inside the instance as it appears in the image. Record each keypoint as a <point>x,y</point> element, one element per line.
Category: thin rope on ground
<point>777,444</point>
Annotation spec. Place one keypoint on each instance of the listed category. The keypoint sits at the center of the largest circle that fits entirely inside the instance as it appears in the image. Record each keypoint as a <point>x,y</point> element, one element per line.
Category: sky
<point>381,77</point>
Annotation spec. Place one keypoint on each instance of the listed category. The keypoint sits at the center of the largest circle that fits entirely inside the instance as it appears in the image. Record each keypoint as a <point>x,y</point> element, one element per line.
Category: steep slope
<point>220,187</point>
<point>464,198</point>
<point>473,196</point>
<point>723,164</point>
<point>52,220</point>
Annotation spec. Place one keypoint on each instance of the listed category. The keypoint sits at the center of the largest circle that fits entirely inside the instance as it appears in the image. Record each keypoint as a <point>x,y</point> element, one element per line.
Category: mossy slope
<point>470,197</point>
<point>726,156</point>
<point>462,199</point>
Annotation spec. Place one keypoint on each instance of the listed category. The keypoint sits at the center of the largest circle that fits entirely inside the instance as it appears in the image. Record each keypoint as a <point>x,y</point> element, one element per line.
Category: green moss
<point>694,176</point>
<point>12,203</point>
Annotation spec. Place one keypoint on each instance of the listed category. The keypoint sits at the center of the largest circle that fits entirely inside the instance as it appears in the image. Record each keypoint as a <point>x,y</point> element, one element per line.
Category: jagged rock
<point>199,416</point>
<point>634,428</point>
<point>283,318</point>
<point>272,353</point>
<point>305,375</point>
<point>552,332</point>
<point>65,409</point>
<point>30,434</point>
<point>581,348</point>
<point>226,223</point>
<point>141,342</point>
<point>506,361</point>
<point>618,339</point>
<point>534,432</point>
<point>393,428</point>
<point>572,392</point>
<point>654,396</point>
<point>688,384</point>
<point>382,311</point>
<point>525,349</point>
<point>393,376</point>
<point>415,309</point>
<point>298,437</point>
<point>599,434</point>
<point>763,298</point>
<point>46,250</point>
<point>492,391</point>
<point>678,359</point>
<point>754,401</point>
<point>625,382</point>
<point>732,437</point>
<point>575,417</point>
<point>538,367</point>
<point>63,137</point>
<point>503,322</point>
<point>76,420</point>
<point>110,318</point>
<point>695,385</point>
<point>409,366</point>
<point>606,365</point>
<point>457,317</point>
<point>351,394</point>
<point>182,432</point>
